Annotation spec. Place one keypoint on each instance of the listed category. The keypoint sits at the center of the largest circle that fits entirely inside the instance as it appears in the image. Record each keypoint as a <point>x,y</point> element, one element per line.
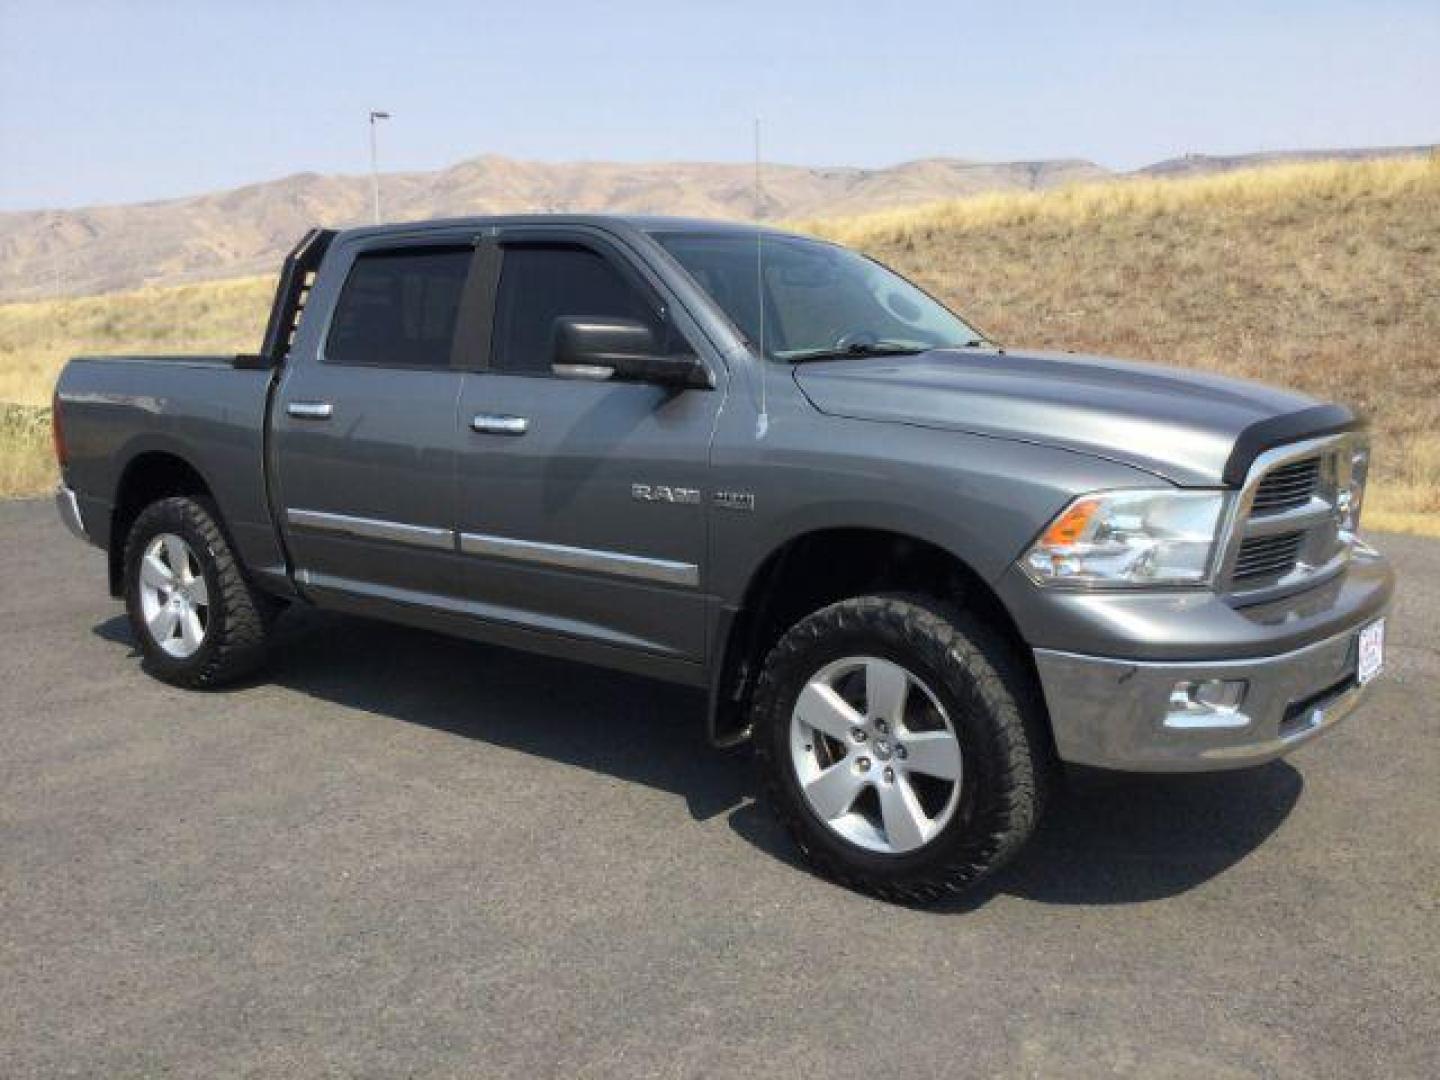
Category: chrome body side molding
<point>373,528</point>
<point>589,560</point>
<point>640,567</point>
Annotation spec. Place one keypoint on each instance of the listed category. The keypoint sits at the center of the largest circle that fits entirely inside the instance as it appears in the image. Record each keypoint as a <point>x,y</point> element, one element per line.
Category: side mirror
<point>622,349</point>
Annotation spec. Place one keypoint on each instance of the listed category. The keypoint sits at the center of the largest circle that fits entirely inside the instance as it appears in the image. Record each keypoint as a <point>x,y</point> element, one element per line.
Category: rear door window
<point>398,308</point>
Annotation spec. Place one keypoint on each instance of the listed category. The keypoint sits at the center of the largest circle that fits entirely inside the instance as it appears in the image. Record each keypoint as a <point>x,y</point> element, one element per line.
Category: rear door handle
<point>310,410</point>
<point>492,424</point>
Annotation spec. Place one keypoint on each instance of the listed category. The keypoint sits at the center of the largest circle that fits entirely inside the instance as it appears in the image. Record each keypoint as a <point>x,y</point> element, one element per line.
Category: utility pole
<point>375,162</point>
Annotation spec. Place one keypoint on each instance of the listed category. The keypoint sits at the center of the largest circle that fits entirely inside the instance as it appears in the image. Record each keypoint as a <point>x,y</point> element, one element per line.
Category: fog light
<point>1207,703</point>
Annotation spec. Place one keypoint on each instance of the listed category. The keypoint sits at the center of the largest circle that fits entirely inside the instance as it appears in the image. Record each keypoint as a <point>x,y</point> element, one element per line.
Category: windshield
<point>819,300</point>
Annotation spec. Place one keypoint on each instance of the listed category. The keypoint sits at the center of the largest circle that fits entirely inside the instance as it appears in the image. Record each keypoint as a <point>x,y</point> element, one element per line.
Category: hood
<point>1178,424</point>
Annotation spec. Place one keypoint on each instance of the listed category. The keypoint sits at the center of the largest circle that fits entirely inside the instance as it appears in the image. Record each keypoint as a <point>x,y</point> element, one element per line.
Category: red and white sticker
<point>1372,651</point>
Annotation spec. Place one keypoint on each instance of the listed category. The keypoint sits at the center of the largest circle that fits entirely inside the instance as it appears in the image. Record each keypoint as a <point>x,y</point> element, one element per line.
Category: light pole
<point>374,162</point>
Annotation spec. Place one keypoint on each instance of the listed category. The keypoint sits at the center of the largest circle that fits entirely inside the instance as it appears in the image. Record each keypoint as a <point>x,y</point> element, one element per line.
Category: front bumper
<point>69,509</point>
<point>1112,713</point>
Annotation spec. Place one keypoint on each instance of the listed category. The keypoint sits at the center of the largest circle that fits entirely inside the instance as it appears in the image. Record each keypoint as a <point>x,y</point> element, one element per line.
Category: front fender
<point>981,499</point>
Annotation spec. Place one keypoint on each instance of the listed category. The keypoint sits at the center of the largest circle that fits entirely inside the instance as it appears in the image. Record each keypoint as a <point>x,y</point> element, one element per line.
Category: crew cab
<point>916,569</point>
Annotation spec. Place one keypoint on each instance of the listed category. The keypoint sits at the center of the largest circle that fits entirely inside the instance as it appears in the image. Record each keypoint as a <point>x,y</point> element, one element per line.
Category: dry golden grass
<point>1322,277</point>
<point>27,462</point>
<point>1325,278</point>
<point>37,338</point>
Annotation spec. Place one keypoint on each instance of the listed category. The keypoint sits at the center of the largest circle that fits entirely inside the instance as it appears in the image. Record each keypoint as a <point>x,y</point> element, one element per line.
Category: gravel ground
<point>398,854</point>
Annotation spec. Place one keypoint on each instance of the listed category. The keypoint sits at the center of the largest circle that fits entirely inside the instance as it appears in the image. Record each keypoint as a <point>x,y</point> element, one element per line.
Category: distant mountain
<point>246,230</point>
<point>1196,164</point>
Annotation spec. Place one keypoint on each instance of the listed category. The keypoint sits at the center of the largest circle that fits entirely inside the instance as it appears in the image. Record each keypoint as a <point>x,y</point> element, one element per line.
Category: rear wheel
<point>198,621</point>
<point>900,743</point>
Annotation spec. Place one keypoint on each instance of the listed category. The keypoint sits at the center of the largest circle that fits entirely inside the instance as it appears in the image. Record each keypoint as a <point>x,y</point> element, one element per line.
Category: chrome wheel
<point>174,600</point>
<point>876,754</point>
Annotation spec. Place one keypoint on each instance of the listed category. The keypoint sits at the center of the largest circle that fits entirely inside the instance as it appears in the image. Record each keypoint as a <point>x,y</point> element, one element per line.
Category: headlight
<point>1128,538</point>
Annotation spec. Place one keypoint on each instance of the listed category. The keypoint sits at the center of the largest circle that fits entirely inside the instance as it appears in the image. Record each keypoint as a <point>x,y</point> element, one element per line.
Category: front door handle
<point>493,424</point>
<point>310,410</point>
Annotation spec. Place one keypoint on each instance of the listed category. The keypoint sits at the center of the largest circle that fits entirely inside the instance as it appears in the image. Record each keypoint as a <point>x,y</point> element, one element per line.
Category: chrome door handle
<point>310,410</point>
<point>492,424</point>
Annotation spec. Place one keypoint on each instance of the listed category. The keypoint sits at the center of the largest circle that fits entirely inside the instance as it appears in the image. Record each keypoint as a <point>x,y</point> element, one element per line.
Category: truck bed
<point>204,410</point>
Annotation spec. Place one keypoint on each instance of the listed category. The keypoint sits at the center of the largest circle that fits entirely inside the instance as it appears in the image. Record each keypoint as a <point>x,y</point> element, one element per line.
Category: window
<point>540,284</point>
<point>398,308</point>
<point>817,296</point>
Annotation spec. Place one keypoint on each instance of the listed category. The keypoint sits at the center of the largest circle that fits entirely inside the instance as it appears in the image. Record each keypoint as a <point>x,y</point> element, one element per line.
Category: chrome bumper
<point>1112,713</point>
<point>69,510</point>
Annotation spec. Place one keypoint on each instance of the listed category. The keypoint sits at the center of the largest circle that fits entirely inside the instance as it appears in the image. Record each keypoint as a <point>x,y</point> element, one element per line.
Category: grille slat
<point>1266,556</point>
<point>1288,487</point>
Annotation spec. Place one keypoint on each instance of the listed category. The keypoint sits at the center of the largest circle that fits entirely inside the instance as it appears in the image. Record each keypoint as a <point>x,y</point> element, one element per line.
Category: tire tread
<point>953,640</point>
<point>245,614</point>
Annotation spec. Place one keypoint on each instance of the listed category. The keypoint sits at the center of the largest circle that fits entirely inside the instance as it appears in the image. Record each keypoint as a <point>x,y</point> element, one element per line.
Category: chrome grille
<point>1287,486</point>
<point>1285,531</point>
<point>1267,556</point>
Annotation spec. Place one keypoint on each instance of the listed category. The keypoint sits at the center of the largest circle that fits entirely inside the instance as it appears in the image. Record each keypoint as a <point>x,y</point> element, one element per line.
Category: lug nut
<point>863,764</point>
<point>881,726</point>
<point>889,775</point>
<point>858,734</point>
<point>901,753</point>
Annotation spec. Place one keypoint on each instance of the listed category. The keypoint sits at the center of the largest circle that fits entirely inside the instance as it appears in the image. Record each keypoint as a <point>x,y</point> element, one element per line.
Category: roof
<point>647,223</point>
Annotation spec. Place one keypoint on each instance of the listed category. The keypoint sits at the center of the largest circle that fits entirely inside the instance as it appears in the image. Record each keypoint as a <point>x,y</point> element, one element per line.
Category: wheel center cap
<point>882,749</point>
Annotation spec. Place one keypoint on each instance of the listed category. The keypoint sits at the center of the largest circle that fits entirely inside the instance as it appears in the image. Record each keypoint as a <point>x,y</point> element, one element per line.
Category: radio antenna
<point>762,422</point>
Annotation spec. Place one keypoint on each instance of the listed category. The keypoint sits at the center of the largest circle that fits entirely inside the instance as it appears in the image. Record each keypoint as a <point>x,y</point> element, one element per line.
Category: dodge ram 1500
<point>916,569</point>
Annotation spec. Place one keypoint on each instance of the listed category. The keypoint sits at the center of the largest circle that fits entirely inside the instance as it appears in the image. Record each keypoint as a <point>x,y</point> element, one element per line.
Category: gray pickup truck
<point>918,570</point>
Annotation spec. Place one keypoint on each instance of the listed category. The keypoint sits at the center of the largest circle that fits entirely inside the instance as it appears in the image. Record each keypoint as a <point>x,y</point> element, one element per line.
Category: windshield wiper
<point>981,343</point>
<point>877,348</point>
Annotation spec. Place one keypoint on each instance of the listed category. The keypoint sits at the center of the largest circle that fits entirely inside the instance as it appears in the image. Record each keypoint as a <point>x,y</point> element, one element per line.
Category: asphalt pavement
<point>397,854</point>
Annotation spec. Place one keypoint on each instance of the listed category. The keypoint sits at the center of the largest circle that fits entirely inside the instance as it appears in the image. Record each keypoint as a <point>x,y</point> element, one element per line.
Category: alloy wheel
<point>876,755</point>
<point>174,599</point>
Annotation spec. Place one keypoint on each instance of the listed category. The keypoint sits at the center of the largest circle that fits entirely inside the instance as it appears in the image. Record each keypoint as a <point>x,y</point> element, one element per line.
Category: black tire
<point>994,707</point>
<point>239,616</point>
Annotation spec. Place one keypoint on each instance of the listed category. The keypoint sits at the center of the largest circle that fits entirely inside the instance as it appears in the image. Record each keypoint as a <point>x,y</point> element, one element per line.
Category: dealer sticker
<point>1372,651</point>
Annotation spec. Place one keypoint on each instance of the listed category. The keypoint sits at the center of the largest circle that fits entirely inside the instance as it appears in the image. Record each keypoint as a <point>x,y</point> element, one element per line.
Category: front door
<point>582,504</point>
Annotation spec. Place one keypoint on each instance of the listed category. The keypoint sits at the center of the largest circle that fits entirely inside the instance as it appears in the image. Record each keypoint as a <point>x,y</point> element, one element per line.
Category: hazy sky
<point>115,102</point>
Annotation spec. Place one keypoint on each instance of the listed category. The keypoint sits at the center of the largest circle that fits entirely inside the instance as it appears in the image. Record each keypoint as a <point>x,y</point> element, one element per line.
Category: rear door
<point>364,435</point>
<point>582,504</point>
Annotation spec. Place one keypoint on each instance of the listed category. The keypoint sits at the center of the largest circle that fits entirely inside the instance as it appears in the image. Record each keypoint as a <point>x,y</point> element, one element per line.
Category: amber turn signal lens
<point>1070,526</point>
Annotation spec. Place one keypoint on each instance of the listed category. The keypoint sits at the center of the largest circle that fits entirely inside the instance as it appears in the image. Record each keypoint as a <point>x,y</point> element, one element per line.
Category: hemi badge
<point>735,500</point>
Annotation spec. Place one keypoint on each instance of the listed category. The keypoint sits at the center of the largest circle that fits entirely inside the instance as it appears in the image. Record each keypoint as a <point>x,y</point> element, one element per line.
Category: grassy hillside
<point>1323,277</point>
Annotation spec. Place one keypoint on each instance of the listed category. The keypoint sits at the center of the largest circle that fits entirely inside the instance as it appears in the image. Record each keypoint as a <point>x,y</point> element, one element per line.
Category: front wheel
<point>901,744</point>
<point>198,620</point>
